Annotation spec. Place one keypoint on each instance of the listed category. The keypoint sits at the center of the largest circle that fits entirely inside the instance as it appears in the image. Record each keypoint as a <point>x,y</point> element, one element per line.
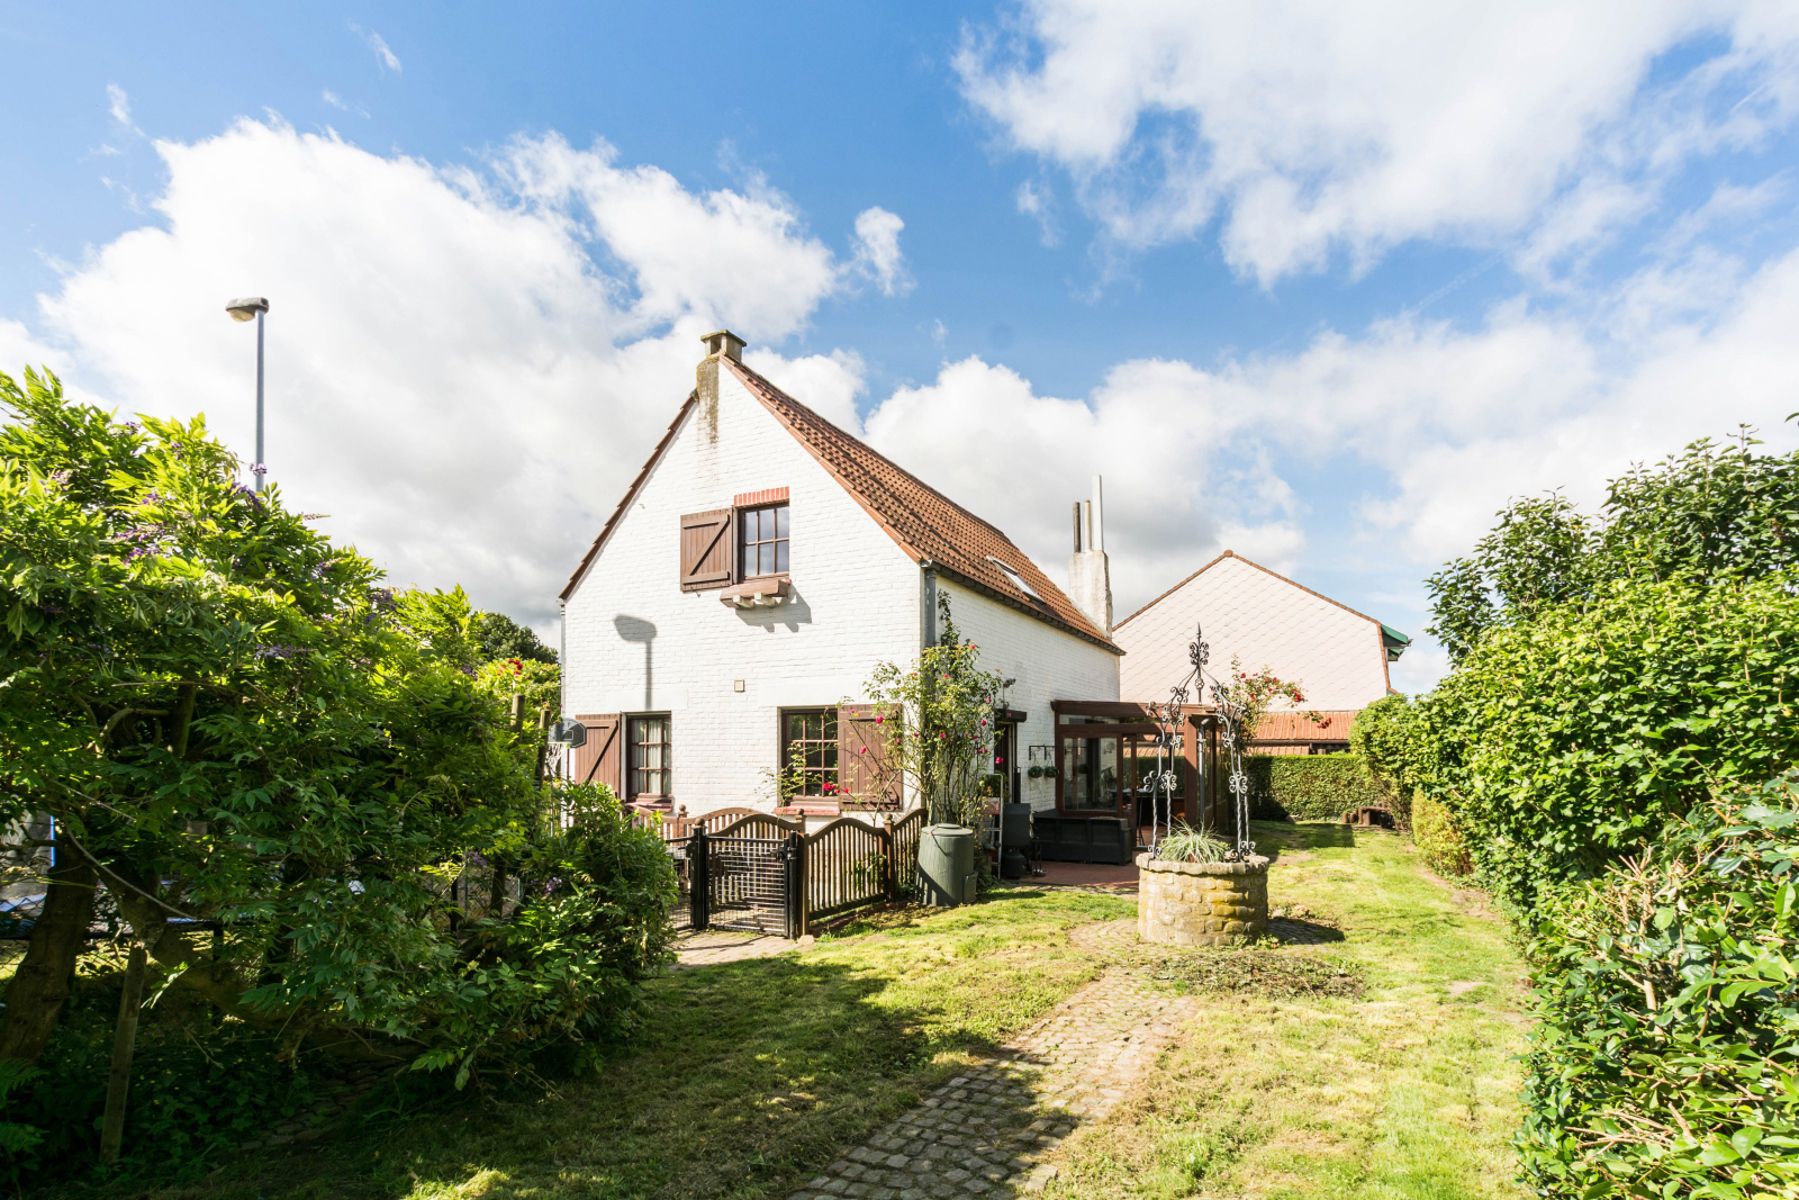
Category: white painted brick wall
<point>1047,663</point>
<point>1335,656</point>
<point>636,643</point>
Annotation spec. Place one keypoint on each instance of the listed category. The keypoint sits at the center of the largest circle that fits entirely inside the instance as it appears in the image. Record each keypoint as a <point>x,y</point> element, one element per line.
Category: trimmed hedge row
<point>1312,787</point>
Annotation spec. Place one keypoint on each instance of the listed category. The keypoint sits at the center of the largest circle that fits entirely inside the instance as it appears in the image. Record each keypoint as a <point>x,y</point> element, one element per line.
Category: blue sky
<point>1325,290</point>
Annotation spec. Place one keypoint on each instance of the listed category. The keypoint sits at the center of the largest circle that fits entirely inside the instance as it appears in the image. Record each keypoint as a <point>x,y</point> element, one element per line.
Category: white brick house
<point>1337,655</point>
<point>758,568</point>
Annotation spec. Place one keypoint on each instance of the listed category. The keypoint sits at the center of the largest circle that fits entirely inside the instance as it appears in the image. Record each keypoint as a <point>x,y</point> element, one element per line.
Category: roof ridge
<point>879,485</point>
<point>838,429</point>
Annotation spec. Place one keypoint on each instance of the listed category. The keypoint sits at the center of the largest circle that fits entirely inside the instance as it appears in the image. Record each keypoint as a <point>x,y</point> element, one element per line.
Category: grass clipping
<point>1267,970</point>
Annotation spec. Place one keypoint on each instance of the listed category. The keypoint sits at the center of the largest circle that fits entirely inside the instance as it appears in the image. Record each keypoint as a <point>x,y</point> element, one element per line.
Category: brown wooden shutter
<point>708,550</point>
<point>600,758</point>
<point>862,762</point>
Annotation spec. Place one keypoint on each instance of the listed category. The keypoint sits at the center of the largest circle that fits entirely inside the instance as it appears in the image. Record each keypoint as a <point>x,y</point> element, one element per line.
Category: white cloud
<point>740,260</point>
<point>383,52</point>
<point>463,371</point>
<point>877,255</point>
<point>118,106</point>
<point>1426,429</point>
<point>1035,201</point>
<point>1310,131</point>
<point>341,105</point>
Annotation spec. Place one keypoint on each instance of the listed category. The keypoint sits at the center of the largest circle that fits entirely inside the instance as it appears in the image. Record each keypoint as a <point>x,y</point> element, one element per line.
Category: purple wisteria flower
<point>139,541</point>
<point>259,468</point>
<point>276,650</point>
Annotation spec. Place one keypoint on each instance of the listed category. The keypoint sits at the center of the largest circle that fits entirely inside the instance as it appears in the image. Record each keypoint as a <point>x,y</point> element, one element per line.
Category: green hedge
<point>1311,787</point>
<point>1667,1000</point>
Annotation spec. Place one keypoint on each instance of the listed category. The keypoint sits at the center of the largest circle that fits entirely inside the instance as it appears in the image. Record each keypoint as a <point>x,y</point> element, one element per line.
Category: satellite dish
<point>569,733</point>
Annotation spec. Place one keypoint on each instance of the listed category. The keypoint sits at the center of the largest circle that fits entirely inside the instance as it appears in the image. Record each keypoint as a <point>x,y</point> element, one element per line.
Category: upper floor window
<point>762,541</point>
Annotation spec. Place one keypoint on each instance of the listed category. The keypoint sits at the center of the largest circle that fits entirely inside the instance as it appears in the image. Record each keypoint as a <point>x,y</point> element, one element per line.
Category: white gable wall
<point>636,643</point>
<point>1047,663</point>
<point>1336,656</point>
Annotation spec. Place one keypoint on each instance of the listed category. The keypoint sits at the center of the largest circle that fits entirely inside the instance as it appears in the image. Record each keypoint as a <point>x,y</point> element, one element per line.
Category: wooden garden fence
<point>744,869</point>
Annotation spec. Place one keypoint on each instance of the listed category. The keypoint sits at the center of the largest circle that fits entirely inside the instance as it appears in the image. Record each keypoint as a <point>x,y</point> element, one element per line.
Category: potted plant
<point>942,744</point>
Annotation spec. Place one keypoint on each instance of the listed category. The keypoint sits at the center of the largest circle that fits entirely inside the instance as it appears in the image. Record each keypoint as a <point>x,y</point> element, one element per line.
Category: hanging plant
<point>1036,771</point>
<point>1050,772</point>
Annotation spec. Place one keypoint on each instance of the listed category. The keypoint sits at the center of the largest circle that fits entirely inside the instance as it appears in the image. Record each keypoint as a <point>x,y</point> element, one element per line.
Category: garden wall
<point>1314,787</point>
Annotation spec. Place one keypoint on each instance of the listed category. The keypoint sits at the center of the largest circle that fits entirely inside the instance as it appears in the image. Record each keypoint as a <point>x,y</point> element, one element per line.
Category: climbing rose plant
<point>938,723</point>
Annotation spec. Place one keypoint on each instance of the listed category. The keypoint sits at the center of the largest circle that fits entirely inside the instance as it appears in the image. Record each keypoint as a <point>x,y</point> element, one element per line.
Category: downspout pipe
<point>562,672</point>
<point>927,603</point>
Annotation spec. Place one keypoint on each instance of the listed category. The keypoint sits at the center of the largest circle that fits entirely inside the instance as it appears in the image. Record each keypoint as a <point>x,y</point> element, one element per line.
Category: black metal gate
<point>745,876</point>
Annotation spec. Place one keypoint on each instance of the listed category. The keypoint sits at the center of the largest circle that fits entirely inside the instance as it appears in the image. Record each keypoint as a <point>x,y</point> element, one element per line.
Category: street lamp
<point>253,308</point>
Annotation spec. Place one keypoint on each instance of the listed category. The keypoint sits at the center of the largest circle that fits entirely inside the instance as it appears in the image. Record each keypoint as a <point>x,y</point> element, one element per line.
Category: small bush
<point>1668,1008</point>
<point>1312,787</point>
<point>1434,829</point>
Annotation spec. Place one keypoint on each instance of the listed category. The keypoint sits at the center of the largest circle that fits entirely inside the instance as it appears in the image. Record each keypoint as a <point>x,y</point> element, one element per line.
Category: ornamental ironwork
<point>1168,718</point>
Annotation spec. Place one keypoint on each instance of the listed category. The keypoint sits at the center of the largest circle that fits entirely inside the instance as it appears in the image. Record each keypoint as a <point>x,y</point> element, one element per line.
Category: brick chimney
<point>720,344</point>
<point>1089,572</point>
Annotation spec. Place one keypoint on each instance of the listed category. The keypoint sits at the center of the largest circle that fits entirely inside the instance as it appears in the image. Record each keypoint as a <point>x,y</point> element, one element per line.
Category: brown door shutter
<point>708,550</point>
<point>863,769</point>
<point>599,759</point>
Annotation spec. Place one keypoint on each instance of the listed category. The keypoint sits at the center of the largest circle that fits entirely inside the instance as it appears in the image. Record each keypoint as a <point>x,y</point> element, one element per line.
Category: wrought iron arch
<point>1169,743</point>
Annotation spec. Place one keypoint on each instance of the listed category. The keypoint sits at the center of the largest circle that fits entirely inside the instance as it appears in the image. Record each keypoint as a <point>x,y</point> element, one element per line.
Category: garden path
<point>985,1132</point>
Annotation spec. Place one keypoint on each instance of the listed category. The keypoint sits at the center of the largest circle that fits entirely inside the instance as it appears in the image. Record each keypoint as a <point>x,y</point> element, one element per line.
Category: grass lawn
<point>1409,1091</point>
<point>747,1077</point>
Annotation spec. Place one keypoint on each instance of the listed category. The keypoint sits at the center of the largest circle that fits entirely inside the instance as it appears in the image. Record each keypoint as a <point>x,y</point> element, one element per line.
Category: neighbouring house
<point>1338,656</point>
<point>724,623</point>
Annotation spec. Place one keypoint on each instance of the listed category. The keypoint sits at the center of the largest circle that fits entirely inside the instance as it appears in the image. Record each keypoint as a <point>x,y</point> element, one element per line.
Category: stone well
<point>1201,904</point>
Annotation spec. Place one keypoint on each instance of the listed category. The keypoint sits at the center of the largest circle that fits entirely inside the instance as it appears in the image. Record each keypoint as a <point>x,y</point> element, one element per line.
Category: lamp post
<point>248,308</point>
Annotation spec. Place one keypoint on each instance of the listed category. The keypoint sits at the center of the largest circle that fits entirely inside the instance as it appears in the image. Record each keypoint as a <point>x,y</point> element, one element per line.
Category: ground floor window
<point>809,751</point>
<point>647,738</point>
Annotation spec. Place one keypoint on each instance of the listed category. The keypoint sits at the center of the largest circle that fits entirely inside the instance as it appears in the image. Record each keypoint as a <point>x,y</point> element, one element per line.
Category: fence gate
<point>747,876</point>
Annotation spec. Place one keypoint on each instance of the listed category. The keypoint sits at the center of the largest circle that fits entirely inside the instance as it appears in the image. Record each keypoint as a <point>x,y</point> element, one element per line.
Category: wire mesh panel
<point>846,867</point>
<point>749,874</point>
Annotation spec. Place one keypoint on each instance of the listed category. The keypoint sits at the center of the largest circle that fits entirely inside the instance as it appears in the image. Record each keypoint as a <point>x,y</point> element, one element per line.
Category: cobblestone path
<point>984,1132</point>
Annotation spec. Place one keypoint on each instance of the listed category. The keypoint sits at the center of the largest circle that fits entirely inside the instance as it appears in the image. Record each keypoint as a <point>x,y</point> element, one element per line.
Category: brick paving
<point>986,1132</point>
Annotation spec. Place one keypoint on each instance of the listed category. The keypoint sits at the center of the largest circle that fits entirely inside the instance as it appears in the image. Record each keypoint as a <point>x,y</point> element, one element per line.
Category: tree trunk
<point>124,1045</point>
<point>35,997</point>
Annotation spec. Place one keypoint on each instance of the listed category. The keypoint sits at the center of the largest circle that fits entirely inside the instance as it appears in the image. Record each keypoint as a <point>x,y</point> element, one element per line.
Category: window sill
<point>762,591</point>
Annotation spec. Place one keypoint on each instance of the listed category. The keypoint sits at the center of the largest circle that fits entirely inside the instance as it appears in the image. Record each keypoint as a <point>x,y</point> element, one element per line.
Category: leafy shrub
<point>231,720</point>
<point>1311,787</point>
<point>1185,843</point>
<point>1390,736</point>
<point>198,1087</point>
<point>1566,742</point>
<point>1434,829</point>
<point>1668,1004</point>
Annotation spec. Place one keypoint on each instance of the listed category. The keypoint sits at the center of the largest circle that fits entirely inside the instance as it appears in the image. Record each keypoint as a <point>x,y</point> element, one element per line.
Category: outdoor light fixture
<point>247,309</point>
